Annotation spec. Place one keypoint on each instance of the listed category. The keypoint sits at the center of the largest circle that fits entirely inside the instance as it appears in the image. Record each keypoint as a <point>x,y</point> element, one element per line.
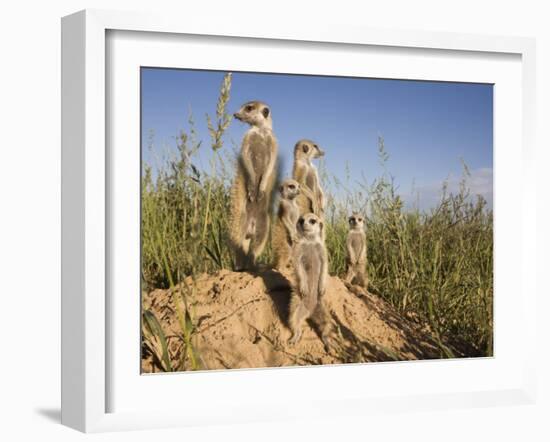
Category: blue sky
<point>427,126</point>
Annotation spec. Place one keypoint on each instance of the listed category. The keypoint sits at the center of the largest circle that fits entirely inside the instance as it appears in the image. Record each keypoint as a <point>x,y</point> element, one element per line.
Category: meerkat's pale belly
<point>260,158</point>
<point>260,152</point>
<point>312,263</point>
<point>356,241</point>
<point>311,181</point>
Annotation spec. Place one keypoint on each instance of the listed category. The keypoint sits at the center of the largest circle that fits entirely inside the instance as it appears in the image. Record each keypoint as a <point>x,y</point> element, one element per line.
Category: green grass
<point>434,267</point>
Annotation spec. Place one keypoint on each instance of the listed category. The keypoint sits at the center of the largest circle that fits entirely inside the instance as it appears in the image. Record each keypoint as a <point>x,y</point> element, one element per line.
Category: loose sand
<point>240,321</point>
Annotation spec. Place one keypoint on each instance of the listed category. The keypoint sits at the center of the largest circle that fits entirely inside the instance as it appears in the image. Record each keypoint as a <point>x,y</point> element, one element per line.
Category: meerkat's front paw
<point>251,194</point>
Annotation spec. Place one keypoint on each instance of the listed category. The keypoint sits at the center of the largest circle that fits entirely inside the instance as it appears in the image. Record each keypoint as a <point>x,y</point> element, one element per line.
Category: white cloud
<point>479,181</point>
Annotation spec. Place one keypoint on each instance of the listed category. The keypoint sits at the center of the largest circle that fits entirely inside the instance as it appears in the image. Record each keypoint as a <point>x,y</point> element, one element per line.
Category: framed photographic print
<point>291,222</point>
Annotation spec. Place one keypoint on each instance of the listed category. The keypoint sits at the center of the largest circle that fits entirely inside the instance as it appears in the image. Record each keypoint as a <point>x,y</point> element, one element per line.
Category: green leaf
<point>154,327</point>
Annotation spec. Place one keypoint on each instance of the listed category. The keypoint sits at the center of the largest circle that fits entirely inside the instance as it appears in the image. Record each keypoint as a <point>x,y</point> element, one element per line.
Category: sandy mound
<point>239,321</point>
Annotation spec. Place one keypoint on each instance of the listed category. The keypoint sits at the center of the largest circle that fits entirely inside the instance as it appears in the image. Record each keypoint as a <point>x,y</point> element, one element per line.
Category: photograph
<point>306,220</point>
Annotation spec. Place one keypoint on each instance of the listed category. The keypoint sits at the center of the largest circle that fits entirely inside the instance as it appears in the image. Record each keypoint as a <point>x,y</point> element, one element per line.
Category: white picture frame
<point>85,200</point>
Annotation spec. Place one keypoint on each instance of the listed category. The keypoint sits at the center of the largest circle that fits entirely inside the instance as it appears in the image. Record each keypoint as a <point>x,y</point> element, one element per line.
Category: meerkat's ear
<point>305,148</point>
<point>321,227</point>
<point>265,112</point>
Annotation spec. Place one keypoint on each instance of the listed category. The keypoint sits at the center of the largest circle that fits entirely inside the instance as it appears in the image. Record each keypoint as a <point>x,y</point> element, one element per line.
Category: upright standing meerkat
<point>284,231</point>
<point>309,257</point>
<point>357,251</point>
<point>312,199</point>
<point>253,185</point>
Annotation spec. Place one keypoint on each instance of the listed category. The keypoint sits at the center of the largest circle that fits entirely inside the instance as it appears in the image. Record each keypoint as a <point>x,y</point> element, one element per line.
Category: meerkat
<point>357,251</point>
<point>312,199</point>
<point>284,231</point>
<point>310,263</point>
<point>253,185</point>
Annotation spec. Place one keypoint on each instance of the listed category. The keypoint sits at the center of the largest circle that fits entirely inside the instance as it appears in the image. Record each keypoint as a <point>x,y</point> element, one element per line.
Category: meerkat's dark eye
<point>291,186</point>
<point>312,222</point>
<point>265,112</point>
<point>249,108</point>
<point>315,146</point>
<point>301,221</point>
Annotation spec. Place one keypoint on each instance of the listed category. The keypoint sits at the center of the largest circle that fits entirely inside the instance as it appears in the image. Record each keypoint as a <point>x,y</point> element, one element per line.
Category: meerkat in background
<point>284,233</point>
<point>310,263</point>
<point>357,251</point>
<point>312,199</point>
<point>253,185</point>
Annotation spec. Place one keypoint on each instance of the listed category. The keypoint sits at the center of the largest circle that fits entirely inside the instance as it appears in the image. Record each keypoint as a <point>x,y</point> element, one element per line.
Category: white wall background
<point>30,215</point>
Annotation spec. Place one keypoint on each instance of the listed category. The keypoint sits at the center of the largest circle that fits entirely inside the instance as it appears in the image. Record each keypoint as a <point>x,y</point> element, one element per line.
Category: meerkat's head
<point>255,113</point>
<point>310,226</point>
<point>307,149</point>
<point>289,189</point>
<point>356,221</point>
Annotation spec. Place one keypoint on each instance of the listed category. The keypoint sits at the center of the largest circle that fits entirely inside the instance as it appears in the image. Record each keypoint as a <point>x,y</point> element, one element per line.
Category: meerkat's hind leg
<point>357,276</point>
<point>242,252</point>
<point>361,280</point>
<point>298,313</point>
<point>366,281</point>
<point>321,319</point>
<point>259,240</point>
<point>240,259</point>
<point>349,275</point>
<point>241,255</point>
